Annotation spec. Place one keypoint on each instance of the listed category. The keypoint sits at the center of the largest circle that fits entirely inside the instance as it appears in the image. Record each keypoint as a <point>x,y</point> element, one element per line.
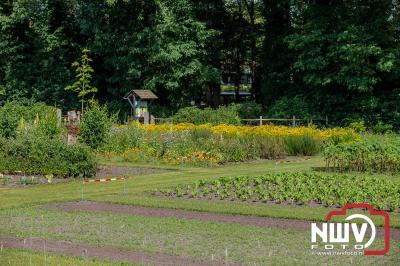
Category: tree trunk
<point>82,106</point>
<point>216,94</point>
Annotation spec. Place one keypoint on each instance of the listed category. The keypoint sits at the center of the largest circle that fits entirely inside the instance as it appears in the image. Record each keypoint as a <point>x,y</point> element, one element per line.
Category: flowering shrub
<point>208,144</point>
<point>336,135</point>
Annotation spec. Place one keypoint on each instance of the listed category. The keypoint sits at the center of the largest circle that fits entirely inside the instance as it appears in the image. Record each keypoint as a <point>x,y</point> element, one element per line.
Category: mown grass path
<point>21,215</point>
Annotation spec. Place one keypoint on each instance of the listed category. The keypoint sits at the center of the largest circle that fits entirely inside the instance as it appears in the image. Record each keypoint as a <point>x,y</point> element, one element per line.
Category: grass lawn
<point>20,216</point>
<point>190,238</point>
<point>12,257</point>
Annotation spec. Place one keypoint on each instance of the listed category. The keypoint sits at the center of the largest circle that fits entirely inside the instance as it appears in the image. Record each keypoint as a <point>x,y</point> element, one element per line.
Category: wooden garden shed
<point>140,100</point>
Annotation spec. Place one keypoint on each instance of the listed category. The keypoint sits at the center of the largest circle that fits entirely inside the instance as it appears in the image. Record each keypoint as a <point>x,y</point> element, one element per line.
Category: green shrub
<point>369,154</point>
<point>222,115</point>
<point>249,109</point>
<point>287,107</point>
<point>269,147</point>
<point>39,116</point>
<point>10,115</point>
<point>161,111</point>
<point>235,149</point>
<point>94,126</point>
<point>358,126</point>
<point>189,115</point>
<point>121,139</point>
<point>305,145</point>
<point>40,155</point>
<point>48,125</point>
<point>382,128</point>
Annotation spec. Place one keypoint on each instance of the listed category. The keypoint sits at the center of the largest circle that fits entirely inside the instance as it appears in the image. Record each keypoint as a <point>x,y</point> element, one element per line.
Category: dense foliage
<point>221,115</point>
<point>14,114</point>
<point>373,154</point>
<point>34,155</point>
<point>161,47</point>
<point>297,188</point>
<point>94,126</point>
<point>306,58</point>
<point>33,141</point>
<point>338,57</point>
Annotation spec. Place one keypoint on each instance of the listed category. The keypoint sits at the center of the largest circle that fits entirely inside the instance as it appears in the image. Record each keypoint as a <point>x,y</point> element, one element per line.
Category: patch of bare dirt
<point>204,216</point>
<point>24,181</point>
<point>102,253</point>
<point>15,180</point>
<point>113,170</point>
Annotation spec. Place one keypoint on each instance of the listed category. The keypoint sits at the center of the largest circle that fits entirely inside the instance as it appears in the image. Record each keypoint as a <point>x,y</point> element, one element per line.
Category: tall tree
<point>213,13</point>
<point>178,65</point>
<point>116,32</point>
<point>345,53</point>
<point>277,58</point>
<point>244,42</point>
<point>33,58</point>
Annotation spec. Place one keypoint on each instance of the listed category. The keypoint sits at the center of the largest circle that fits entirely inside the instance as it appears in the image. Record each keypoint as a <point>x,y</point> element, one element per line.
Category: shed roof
<point>142,94</point>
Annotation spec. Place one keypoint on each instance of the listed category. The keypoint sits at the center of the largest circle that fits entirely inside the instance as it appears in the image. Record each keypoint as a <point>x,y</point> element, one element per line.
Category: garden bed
<point>23,181</point>
<point>245,220</point>
<point>103,253</point>
<point>208,145</point>
<point>310,189</point>
<point>112,170</point>
<point>15,180</point>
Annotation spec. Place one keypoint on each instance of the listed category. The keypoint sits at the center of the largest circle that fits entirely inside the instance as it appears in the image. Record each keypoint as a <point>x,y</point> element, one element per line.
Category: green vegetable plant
<point>367,155</point>
<point>300,189</point>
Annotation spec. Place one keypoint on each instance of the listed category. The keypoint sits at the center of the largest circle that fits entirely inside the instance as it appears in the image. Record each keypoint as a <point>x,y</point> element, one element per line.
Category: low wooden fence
<point>294,121</point>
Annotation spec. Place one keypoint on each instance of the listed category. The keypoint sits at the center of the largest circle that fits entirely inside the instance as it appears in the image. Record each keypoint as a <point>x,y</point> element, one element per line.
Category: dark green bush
<point>249,109</point>
<point>94,126</point>
<point>10,114</point>
<point>40,155</point>
<point>222,115</point>
<point>287,107</point>
<point>382,128</point>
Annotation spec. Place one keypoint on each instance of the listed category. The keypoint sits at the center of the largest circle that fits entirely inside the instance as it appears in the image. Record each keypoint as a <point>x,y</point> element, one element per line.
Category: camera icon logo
<point>332,236</point>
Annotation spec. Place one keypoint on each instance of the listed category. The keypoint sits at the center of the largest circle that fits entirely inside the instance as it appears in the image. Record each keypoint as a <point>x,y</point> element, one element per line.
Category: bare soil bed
<point>204,216</point>
<point>16,180</point>
<point>22,181</point>
<point>102,253</point>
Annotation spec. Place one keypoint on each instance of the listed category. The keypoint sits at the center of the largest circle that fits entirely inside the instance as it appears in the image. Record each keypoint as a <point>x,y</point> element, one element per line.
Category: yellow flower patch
<point>339,134</point>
